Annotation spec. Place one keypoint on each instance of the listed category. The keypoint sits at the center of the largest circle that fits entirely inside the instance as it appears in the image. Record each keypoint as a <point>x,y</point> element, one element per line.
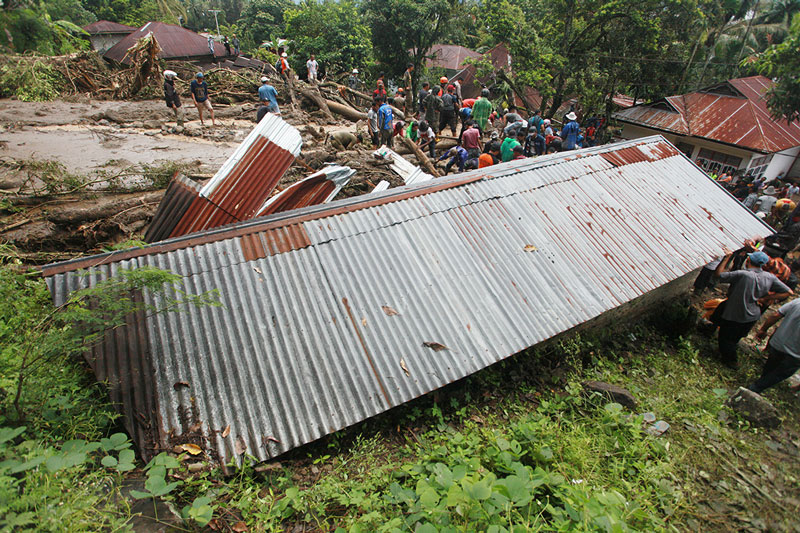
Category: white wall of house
<point>630,131</point>
<point>782,163</point>
<point>103,42</point>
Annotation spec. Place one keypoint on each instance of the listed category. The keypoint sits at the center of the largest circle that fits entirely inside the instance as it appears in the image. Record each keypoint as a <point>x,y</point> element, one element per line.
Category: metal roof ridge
<point>325,210</point>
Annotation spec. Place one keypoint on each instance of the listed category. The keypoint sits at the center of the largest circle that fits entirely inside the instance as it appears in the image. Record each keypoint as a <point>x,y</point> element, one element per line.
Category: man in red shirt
<point>471,140</point>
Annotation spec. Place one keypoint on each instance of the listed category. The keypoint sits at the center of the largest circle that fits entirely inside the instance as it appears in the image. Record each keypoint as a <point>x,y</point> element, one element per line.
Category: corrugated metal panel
<point>325,309</point>
<point>106,26</point>
<point>238,189</point>
<point>449,56</point>
<point>319,188</point>
<point>737,116</point>
<point>180,195</point>
<point>175,42</point>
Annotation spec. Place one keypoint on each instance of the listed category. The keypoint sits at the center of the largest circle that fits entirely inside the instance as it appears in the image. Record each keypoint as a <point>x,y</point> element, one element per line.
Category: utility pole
<point>215,11</point>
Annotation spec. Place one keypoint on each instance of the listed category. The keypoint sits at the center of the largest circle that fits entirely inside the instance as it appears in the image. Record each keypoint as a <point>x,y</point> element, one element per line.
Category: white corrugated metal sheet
<point>317,334</point>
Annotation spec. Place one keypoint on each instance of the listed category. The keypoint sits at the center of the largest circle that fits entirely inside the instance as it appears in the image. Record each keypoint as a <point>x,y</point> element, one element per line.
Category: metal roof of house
<point>318,188</point>
<point>176,43</point>
<point>335,313</point>
<point>734,112</point>
<point>106,26</point>
<point>449,56</point>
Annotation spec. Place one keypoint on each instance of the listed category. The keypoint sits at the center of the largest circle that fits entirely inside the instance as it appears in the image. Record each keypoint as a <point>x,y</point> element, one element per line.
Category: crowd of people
<point>772,201</point>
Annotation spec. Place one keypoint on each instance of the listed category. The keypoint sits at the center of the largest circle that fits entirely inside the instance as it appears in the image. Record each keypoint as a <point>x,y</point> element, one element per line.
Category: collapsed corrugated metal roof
<point>335,313</point>
<point>319,188</point>
<point>734,112</point>
<point>238,189</point>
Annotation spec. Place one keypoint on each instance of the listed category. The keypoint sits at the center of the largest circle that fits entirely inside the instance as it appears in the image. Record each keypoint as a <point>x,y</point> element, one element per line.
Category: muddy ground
<point>79,175</point>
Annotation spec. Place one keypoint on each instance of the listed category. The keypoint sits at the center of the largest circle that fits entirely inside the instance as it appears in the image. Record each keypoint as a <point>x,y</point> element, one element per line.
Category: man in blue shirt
<point>269,99</point>
<point>385,123</point>
<point>458,156</point>
<point>200,97</point>
<point>535,122</point>
<point>569,133</point>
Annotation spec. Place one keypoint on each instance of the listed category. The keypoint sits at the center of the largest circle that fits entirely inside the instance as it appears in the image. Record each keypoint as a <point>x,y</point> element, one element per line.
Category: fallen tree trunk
<point>421,157</point>
<point>314,95</point>
<point>347,112</point>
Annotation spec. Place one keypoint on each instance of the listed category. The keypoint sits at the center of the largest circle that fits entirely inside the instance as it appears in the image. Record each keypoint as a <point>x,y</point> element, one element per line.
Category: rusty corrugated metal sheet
<point>327,310</point>
<point>106,26</point>
<point>319,188</point>
<point>180,194</point>
<point>238,189</point>
<point>175,42</point>
<point>733,113</point>
<point>449,56</point>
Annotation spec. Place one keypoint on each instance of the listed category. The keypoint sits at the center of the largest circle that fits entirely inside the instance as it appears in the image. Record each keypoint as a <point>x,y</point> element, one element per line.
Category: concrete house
<point>104,34</point>
<point>723,128</point>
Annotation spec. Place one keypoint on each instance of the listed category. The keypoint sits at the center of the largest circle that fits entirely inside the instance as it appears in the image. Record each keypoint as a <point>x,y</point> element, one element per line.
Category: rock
<point>657,429</point>
<point>648,417</point>
<point>151,124</point>
<point>754,408</point>
<point>179,129</point>
<point>137,124</point>
<point>612,392</point>
<point>103,122</point>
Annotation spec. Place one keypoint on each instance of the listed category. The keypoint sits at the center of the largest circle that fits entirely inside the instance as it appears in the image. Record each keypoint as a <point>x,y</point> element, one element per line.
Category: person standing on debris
<point>433,107</point>
<point>481,109</point>
<point>353,81</point>
<point>783,347</point>
<point>269,99</point>
<point>235,42</point>
<point>313,68</point>
<point>407,88</point>
<point>423,94</point>
<point>471,140</point>
<point>211,45</point>
<point>766,202</point>
<point>400,100</point>
<point>385,123</point>
<point>380,91</point>
<point>449,103</point>
<point>535,122</point>
<point>569,133</point>
<point>227,45</point>
<point>172,97</point>
<point>372,123</point>
<point>200,97</point>
<point>750,289</point>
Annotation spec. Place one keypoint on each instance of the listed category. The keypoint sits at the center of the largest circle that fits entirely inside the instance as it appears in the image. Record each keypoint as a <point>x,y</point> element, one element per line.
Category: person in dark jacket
<point>171,96</point>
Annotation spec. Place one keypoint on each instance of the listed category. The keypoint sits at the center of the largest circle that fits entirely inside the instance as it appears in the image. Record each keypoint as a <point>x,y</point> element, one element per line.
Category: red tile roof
<point>734,112</point>
<point>175,42</point>
<point>449,56</point>
<point>106,26</point>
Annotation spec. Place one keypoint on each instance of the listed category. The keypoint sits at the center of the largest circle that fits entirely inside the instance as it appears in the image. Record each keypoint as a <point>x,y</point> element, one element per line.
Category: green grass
<point>517,447</point>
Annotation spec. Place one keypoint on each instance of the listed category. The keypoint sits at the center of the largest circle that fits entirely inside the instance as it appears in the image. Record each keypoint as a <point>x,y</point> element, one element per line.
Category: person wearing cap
<point>269,99</point>
<point>200,98</point>
<point>751,289</point>
<point>548,129</point>
<point>354,82</point>
<point>448,115</point>
<point>481,109</point>
<point>407,88</point>
<point>171,96</point>
<point>380,91</point>
<point>570,131</point>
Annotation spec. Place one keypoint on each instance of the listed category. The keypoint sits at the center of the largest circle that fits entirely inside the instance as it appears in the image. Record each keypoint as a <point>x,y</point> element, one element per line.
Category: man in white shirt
<point>313,68</point>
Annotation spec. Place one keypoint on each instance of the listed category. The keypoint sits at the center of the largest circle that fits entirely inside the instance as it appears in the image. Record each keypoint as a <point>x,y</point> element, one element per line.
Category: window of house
<point>758,165</point>
<point>717,162</point>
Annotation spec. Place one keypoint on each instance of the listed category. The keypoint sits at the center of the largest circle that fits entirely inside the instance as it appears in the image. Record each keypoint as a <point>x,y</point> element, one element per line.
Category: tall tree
<point>262,20</point>
<point>333,31</point>
<point>404,31</point>
<point>782,63</point>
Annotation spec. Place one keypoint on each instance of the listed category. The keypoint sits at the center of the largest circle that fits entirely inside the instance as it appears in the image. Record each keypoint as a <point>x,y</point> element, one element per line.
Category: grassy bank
<point>518,447</point>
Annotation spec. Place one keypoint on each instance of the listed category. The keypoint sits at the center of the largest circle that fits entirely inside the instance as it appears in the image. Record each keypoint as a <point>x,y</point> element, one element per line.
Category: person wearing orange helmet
<point>443,85</point>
